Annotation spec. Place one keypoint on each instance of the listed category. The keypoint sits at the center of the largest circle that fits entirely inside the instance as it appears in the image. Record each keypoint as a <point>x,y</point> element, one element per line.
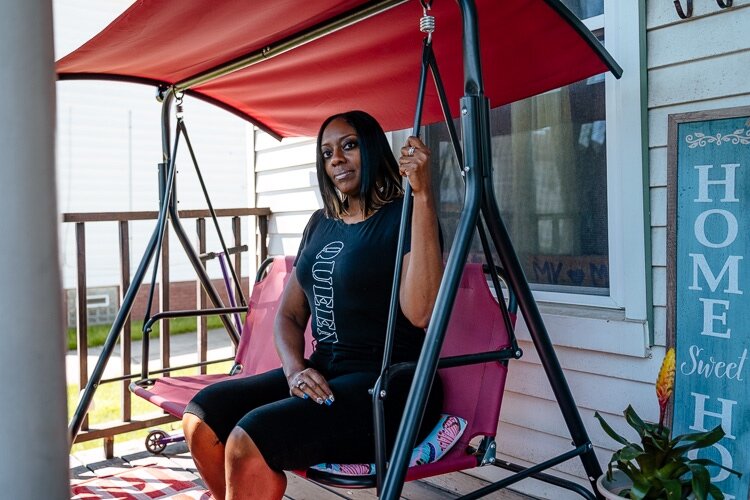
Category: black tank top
<point>346,272</point>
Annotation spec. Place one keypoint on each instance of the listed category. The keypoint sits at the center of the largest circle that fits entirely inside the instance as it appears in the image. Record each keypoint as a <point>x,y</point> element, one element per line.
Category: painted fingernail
<point>328,402</point>
<point>331,399</point>
<point>305,396</point>
<point>319,401</point>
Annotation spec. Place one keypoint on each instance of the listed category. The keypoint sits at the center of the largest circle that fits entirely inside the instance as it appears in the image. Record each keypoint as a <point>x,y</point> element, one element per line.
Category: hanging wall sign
<point>708,283</point>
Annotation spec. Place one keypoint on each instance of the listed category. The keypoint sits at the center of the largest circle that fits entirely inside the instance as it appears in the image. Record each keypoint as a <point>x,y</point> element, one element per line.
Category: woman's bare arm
<point>289,337</point>
<point>423,265</point>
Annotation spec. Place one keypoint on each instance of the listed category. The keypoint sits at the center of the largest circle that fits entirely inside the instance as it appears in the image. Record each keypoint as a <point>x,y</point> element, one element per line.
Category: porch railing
<point>127,422</point>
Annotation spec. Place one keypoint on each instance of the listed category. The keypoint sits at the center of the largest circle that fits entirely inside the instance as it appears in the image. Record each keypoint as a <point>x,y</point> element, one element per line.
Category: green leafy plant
<point>659,466</point>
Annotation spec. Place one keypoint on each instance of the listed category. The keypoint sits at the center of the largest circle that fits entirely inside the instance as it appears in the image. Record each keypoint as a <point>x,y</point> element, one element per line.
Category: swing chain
<point>427,22</point>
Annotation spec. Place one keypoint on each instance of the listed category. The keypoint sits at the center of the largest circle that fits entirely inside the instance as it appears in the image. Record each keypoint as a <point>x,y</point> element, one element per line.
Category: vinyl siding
<point>285,181</point>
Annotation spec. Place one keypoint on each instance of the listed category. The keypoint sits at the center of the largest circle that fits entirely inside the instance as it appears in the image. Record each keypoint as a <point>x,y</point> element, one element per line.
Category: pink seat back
<point>256,351</point>
<point>476,325</point>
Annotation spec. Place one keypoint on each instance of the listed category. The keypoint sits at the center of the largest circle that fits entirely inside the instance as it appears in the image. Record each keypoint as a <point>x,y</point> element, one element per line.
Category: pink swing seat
<point>472,392</point>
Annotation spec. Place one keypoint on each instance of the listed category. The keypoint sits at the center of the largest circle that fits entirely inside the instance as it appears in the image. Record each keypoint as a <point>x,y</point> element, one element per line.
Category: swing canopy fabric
<point>527,47</point>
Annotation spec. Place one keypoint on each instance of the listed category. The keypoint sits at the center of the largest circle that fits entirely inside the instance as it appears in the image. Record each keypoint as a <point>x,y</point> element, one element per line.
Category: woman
<point>244,433</point>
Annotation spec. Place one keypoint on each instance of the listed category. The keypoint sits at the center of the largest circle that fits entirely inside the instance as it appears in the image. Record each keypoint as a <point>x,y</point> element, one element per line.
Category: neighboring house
<point>580,174</point>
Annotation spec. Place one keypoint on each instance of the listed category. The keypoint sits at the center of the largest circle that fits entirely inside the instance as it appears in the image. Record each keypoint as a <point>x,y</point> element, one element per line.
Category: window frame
<point>627,229</point>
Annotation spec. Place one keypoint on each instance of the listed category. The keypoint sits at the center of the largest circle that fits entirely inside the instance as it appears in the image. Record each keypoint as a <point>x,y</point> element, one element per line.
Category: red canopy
<point>527,47</point>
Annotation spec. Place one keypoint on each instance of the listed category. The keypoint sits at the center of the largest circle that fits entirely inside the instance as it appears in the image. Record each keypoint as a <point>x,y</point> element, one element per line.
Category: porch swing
<point>464,300</point>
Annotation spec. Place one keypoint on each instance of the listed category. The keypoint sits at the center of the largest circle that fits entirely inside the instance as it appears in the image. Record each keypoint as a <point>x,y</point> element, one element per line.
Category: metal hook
<point>178,103</point>
<point>681,13</point>
<point>427,22</point>
<point>724,3</point>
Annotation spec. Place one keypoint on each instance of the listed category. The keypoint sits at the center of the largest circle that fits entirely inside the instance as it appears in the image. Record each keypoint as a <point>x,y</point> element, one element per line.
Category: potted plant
<point>658,466</point>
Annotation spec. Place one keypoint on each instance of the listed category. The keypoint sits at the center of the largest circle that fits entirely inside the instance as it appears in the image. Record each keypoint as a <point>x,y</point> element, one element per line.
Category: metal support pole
<point>379,392</point>
<point>192,256</point>
<point>427,364</point>
<point>475,157</point>
<point>164,283</point>
<point>538,332</point>
<point>127,304</point>
<point>33,461</point>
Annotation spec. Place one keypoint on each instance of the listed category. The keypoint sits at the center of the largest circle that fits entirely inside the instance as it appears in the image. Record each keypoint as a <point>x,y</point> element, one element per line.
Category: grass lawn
<point>106,407</point>
<point>98,333</point>
<point>106,404</point>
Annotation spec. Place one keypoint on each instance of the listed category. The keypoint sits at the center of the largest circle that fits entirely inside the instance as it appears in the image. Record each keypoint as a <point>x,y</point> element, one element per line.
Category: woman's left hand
<point>309,383</point>
<point>414,164</point>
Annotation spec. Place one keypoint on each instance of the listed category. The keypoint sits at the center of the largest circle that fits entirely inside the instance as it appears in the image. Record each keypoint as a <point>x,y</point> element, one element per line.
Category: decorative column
<point>33,433</point>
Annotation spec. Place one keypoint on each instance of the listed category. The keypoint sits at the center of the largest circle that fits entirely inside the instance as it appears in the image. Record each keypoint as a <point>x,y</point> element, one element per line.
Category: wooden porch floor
<point>86,466</point>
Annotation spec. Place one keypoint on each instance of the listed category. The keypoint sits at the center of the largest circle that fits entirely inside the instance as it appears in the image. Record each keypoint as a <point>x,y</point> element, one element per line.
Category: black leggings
<point>295,433</point>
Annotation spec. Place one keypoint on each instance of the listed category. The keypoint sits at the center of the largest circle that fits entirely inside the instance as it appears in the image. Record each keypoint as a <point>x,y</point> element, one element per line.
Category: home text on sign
<point>709,284</point>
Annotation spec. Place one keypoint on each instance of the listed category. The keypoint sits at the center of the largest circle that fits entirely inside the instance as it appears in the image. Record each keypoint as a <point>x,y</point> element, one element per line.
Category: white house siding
<point>285,181</point>
<point>609,361</point>
<point>108,146</point>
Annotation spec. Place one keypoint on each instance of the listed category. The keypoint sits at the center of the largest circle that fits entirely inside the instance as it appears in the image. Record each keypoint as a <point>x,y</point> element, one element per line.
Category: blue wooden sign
<point>709,284</point>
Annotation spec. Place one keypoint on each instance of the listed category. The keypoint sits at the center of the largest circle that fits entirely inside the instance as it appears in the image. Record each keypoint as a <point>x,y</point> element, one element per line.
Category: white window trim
<point>625,169</point>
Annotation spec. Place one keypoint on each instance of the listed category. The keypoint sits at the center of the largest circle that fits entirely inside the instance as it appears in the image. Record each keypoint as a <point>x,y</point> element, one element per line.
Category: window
<point>550,179</point>
<point>569,177</point>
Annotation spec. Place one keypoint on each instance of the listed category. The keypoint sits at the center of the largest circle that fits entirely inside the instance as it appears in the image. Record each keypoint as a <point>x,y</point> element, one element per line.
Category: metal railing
<point>127,422</point>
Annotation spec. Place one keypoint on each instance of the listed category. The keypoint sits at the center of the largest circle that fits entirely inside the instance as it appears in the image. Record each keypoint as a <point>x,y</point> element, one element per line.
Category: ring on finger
<point>410,151</point>
<point>301,384</point>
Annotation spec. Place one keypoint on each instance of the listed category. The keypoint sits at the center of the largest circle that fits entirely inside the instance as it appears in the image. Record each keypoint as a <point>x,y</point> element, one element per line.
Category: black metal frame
<point>167,211</point>
<point>479,201</point>
<point>187,313</point>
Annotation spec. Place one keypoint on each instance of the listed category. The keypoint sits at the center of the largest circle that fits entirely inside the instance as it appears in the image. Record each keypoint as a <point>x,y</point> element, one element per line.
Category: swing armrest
<point>190,312</point>
<point>176,314</point>
<point>452,362</point>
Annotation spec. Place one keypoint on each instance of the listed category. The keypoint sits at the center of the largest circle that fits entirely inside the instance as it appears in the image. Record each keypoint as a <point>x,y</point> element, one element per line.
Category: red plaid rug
<point>141,483</point>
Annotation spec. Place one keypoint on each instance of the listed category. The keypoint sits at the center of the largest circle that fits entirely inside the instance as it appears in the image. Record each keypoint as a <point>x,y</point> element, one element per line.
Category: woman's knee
<point>241,450</point>
<point>198,432</point>
<point>190,424</point>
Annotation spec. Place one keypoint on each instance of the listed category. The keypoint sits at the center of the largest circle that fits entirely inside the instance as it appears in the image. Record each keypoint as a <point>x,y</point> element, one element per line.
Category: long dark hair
<point>380,179</point>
